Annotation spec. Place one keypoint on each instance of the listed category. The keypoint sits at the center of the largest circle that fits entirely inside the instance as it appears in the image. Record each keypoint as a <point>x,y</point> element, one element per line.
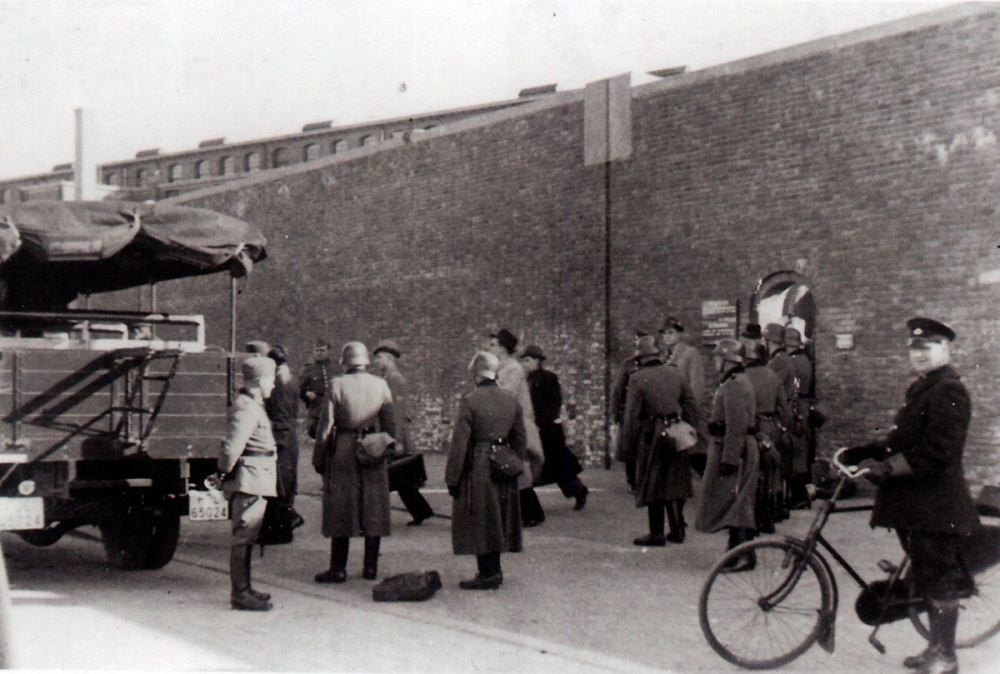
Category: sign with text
<point>720,318</point>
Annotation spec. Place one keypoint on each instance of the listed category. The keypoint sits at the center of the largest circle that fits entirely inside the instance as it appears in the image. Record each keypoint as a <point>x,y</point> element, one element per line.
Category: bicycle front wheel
<point>770,613</point>
<point>978,612</point>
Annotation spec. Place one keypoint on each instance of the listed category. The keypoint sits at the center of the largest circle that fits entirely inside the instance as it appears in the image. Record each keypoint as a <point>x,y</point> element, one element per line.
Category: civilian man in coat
<point>247,462</point>
<point>560,465</point>
<point>801,431</point>
<point>685,357</point>
<point>657,397</point>
<point>619,389</point>
<point>780,362</point>
<point>922,492</point>
<point>355,495</point>
<point>486,518</point>
<point>511,377</point>
<point>385,356</point>
<point>773,415</point>
<point>731,474</point>
<point>313,380</point>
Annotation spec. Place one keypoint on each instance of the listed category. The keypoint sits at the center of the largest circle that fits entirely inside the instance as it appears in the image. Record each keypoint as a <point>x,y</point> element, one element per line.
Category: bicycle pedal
<point>886,566</point>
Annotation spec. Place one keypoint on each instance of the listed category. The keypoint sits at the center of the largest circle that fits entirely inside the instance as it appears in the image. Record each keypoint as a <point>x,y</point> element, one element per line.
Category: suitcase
<point>407,472</point>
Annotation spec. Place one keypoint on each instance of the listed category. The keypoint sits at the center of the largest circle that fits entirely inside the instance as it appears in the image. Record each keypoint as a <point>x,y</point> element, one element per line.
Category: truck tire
<point>141,540</point>
<point>42,538</point>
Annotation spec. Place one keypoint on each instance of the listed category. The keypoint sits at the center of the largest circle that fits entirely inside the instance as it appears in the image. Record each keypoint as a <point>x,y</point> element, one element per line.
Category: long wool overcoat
<point>657,393</point>
<point>486,516</point>
<point>728,500</point>
<point>355,496</point>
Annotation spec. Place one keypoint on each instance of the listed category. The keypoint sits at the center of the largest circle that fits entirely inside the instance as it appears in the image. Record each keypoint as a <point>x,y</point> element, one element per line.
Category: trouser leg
<point>655,513</point>
<point>630,474</point>
<point>531,508</point>
<point>239,567</point>
<point>339,549</point>
<point>372,545</point>
<point>416,504</point>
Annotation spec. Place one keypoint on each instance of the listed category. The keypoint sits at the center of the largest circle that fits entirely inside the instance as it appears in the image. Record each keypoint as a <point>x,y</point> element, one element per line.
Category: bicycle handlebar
<point>850,471</point>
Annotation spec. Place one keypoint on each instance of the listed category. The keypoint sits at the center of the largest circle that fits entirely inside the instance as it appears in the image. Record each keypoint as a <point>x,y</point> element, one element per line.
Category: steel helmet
<point>484,364</point>
<point>354,354</point>
<point>730,350</point>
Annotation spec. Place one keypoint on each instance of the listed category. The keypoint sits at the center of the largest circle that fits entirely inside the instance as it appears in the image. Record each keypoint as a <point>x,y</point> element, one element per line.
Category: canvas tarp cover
<point>72,248</point>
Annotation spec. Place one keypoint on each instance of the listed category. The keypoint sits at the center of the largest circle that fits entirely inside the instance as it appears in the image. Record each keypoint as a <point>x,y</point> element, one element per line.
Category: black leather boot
<point>337,573</point>
<point>941,658</point>
<point>372,544</point>
<point>490,577</point>
<point>242,597</point>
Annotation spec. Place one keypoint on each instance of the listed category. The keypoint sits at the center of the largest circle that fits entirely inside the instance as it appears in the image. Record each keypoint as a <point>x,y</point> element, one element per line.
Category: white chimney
<point>84,166</point>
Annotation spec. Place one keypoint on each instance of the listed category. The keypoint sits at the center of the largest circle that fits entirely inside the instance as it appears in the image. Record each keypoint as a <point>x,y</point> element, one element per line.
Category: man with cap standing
<point>486,518</point>
<point>313,382</point>
<point>780,362</point>
<point>922,491</point>
<point>751,337</point>
<point>619,390</point>
<point>283,410</point>
<point>511,378</point>
<point>657,397</point>
<point>683,356</point>
<point>773,414</point>
<point>355,494</point>
<point>800,399</point>
<point>247,462</point>
<point>385,359</point>
<point>560,465</point>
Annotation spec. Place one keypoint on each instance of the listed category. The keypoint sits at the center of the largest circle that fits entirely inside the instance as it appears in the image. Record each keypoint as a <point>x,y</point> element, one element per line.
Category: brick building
<point>855,177</point>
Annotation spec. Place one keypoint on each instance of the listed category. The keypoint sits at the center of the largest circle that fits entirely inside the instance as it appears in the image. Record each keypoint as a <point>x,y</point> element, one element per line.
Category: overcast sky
<point>170,73</point>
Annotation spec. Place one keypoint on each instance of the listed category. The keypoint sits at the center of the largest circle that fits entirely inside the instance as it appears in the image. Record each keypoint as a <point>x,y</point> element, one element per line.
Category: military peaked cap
<point>928,330</point>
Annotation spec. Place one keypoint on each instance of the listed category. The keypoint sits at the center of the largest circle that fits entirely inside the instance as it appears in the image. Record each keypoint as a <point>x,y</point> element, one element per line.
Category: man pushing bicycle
<point>922,492</point>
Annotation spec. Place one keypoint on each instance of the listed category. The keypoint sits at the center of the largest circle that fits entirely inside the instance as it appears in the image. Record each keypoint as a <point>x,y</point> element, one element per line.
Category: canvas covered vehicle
<point>111,418</point>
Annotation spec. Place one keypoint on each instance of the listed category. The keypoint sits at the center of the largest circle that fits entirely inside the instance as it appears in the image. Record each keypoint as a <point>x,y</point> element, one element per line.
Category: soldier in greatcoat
<point>247,462</point>
<point>801,431</point>
<point>657,397</point>
<point>922,491</point>
<point>386,355</point>
<point>355,494</point>
<point>731,474</point>
<point>773,416</point>
<point>780,362</point>
<point>619,390</point>
<point>486,517</point>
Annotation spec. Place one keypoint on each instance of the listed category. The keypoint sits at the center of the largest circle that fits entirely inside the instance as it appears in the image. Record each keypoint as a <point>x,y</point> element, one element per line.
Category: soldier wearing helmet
<point>486,516</point>
<point>355,494</point>
<point>731,472</point>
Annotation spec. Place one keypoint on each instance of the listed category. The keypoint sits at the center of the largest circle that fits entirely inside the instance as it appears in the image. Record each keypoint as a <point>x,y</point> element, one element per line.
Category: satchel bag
<point>505,464</point>
<point>372,448</point>
<point>683,434</point>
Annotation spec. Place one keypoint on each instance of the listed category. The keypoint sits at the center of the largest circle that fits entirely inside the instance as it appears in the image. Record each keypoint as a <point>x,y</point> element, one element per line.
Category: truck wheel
<point>140,541</point>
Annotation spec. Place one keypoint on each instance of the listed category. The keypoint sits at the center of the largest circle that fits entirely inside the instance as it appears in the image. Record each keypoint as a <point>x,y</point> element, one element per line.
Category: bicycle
<point>787,598</point>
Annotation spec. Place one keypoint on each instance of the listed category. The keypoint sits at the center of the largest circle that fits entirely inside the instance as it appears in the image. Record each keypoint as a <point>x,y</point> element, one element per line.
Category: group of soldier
<point>757,444</point>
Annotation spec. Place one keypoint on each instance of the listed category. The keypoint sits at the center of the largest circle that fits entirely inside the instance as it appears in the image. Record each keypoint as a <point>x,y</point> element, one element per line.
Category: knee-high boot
<point>243,598</point>
<point>655,515</point>
<point>372,545</point>
<point>337,573</point>
<point>675,516</point>
<point>939,656</point>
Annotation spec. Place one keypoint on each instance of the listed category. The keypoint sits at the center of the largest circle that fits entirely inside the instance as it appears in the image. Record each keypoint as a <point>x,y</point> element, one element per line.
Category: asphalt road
<point>580,598</point>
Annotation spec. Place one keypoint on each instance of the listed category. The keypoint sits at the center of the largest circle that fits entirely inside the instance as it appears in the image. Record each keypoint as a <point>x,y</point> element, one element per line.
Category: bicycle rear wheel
<point>770,614</point>
<point>978,613</point>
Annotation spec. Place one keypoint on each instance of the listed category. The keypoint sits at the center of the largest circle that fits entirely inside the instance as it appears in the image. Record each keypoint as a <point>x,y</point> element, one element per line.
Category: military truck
<point>111,418</point>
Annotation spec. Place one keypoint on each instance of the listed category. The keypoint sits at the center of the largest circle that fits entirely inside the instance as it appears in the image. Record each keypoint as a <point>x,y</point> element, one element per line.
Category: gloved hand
<point>877,471</point>
<point>453,491</point>
<point>855,455</point>
<point>726,469</point>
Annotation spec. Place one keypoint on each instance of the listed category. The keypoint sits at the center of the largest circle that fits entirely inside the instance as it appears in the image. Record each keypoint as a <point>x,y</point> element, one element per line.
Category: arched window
<point>252,162</point>
<point>369,140</point>
<point>310,152</point>
<point>176,173</point>
<point>112,179</point>
<point>397,134</point>
<point>227,166</point>
<point>280,158</point>
<point>202,169</point>
<point>141,177</point>
<point>339,145</point>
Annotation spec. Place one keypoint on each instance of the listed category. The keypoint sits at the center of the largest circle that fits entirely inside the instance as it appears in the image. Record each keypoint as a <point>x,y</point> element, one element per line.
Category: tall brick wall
<point>871,166</point>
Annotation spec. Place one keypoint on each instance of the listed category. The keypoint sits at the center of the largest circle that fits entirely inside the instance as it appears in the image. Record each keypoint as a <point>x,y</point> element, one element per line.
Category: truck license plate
<point>22,513</point>
<point>205,506</point>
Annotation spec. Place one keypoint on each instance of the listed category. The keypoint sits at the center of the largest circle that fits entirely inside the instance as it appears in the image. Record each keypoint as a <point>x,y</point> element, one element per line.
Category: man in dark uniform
<point>560,465</point>
<point>922,492</point>
<point>779,361</point>
<point>248,466</point>
<point>384,360</point>
<point>801,432</point>
<point>283,411</point>
<point>773,414</point>
<point>657,397</point>
<point>313,380</point>
<point>619,389</point>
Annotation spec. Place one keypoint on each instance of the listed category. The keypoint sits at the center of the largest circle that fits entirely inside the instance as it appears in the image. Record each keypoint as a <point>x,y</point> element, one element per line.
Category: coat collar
<point>925,381</point>
<point>253,395</point>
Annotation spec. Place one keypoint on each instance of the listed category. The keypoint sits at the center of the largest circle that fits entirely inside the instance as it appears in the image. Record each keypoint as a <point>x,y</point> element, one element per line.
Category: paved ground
<point>580,598</point>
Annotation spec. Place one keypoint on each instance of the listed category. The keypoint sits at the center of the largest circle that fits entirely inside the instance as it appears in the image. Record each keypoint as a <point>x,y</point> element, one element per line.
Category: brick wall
<point>868,162</point>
